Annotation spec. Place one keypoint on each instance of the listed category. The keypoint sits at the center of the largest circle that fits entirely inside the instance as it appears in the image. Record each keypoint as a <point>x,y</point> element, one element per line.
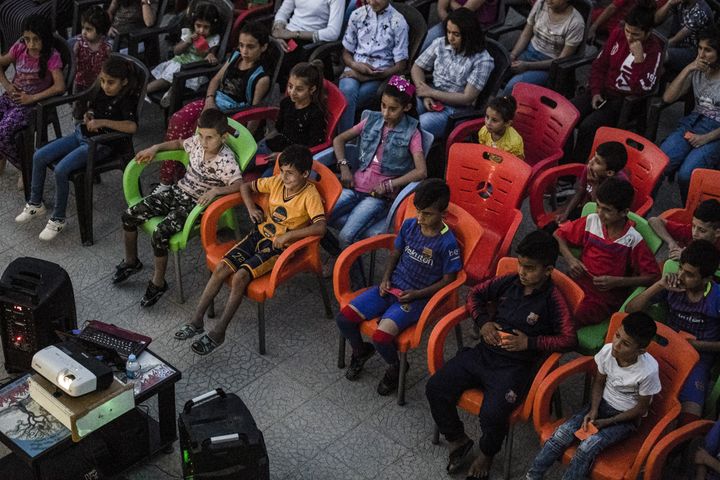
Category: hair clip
<point>402,84</point>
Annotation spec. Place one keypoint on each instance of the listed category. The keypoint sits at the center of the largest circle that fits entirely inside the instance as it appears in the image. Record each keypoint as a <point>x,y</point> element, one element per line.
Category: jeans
<point>70,153</point>
<point>354,212</point>
<point>588,449</point>
<point>357,94</point>
<point>684,158</point>
<point>436,122</point>
<point>536,77</point>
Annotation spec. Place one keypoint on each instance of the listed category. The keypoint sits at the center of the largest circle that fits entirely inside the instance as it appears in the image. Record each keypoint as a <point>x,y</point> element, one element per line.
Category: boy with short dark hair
<point>609,161</point>
<point>705,225</point>
<point>212,171</point>
<point>614,257</point>
<point>627,379</point>
<point>693,302</point>
<point>295,211</point>
<point>522,318</point>
<point>426,258</point>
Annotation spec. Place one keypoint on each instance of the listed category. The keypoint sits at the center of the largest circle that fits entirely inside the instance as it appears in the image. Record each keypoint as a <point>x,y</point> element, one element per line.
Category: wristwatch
<point>343,163</point>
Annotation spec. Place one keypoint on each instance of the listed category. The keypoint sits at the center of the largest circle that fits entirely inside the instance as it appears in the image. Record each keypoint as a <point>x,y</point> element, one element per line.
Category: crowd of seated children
<point>295,211</point>
<point>375,48</point>
<point>614,257</point>
<point>626,380</point>
<point>529,307</point>
<point>692,300</point>
<point>705,225</point>
<point>498,131</point>
<point>425,258</point>
<point>212,171</point>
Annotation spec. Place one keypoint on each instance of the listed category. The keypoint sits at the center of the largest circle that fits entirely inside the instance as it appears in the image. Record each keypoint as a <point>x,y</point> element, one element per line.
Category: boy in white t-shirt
<point>627,379</point>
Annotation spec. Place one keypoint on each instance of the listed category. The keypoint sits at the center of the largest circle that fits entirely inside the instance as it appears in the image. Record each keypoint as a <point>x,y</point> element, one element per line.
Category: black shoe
<point>356,363</point>
<point>153,294</point>
<point>390,380</point>
<point>123,271</point>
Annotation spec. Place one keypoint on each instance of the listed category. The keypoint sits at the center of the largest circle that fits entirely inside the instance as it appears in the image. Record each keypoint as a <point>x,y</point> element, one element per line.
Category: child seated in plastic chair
<point>705,225</point>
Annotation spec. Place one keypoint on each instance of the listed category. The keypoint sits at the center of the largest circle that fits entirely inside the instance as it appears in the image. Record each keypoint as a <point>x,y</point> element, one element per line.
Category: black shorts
<point>255,253</point>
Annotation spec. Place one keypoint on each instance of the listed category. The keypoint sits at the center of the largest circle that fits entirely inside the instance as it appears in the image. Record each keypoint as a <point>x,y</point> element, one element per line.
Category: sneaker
<point>153,294</point>
<point>123,271</point>
<point>166,98</point>
<point>30,212</point>
<point>390,380</point>
<point>52,229</point>
<point>356,363</point>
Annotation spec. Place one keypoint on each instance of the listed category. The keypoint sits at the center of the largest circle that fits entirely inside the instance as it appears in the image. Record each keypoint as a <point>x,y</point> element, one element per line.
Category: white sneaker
<point>30,212</point>
<point>51,230</point>
<point>165,100</point>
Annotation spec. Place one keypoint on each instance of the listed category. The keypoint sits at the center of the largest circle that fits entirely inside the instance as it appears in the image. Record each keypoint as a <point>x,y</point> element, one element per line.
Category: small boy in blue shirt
<point>693,302</point>
<point>426,257</point>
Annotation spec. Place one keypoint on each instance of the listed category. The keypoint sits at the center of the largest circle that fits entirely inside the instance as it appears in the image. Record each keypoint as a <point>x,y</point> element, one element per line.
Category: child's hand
<point>560,217</point>
<point>146,156</point>
<point>256,215</point>
<point>697,140</point>
<point>489,333</point>
<point>94,125</point>
<point>346,178</point>
<point>207,197</point>
<point>385,287</point>
<point>589,418</point>
<point>577,268</point>
<point>211,59</point>
<point>23,98</point>
<point>281,241</point>
<point>602,423</point>
<point>194,37</point>
<point>363,68</point>
<point>113,32</point>
<point>423,90</point>
<point>674,251</point>
<point>429,104</point>
<point>518,66</point>
<point>672,283</point>
<point>605,282</point>
<point>408,296</point>
<point>518,342</point>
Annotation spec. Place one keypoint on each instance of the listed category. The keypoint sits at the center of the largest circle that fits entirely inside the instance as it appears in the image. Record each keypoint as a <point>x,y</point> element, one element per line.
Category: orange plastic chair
<point>704,185</point>
<point>645,166</point>
<point>468,233</point>
<point>668,443</point>
<point>471,400</point>
<point>536,107</point>
<point>676,358</point>
<point>489,184</point>
<point>301,256</point>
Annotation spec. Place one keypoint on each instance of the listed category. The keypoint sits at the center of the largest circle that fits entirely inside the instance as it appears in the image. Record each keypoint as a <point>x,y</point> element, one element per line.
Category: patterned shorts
<point>254,253</point>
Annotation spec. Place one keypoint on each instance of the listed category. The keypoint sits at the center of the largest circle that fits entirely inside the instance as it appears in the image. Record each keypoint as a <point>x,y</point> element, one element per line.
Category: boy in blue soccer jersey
<point>426,257</point>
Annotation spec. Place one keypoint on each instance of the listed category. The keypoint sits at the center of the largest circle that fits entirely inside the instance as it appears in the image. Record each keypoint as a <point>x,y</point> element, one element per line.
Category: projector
<point>75,372</point>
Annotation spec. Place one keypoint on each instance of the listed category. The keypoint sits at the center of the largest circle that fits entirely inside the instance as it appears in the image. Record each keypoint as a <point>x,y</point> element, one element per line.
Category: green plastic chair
<point>241,143</point>
<point>592,338</point>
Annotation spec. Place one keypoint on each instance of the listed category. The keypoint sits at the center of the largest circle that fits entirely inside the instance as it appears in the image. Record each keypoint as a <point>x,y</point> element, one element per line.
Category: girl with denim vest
<point>390,156</point>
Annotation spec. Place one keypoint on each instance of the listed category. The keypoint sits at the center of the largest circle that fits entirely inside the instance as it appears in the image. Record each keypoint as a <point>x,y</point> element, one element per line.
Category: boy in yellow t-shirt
<point>295,211</point>
<point>498,131</point>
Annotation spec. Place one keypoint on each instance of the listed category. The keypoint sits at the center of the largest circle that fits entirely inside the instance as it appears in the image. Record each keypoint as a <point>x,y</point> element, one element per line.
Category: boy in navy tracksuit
<point>529,307</point>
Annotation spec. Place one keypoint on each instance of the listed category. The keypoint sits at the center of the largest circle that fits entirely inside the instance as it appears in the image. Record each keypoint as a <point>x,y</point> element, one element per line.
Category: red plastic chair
<point>301,256</point>
<point>468,233</point>
<point>490,185</point>
<point>471,400</point>
<point>545,120</point>
<point>668,443</point>
<point>336,105</point>
<point>624,460</point>
<point>704,185</point>
<point>244,12</point>
<point>645,166</point>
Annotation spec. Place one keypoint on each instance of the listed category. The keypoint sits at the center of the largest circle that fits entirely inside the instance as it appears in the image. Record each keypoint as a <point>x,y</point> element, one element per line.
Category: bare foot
<point>480,468</point>
<point>452,446</point>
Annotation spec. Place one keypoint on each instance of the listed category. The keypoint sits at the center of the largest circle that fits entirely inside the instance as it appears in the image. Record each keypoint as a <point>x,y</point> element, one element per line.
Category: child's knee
<point>240,279</point>
<point>130,221</point>
<point>159,241</point>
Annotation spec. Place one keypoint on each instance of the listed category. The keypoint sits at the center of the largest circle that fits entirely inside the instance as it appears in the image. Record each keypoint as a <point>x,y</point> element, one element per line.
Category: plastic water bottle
<point>132,367</point>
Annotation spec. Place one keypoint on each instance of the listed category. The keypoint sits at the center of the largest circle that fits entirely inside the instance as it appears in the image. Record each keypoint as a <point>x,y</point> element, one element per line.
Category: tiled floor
<point>317,425</point>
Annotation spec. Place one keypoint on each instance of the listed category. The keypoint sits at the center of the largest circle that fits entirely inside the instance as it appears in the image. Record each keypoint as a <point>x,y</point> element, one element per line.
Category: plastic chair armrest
<point>572,62</point>
<point>652,438</point>
<point>137,36</point>
<point>543,181</point>
<point>643,209</point>
<point>211,217</point>
<point>547,162</point>
<point>341,278</point>
<point>496,32</point>
<point>325,49</point>
<point>656,459</point>
<point>438,336</point>
<point>670,214</point>
<point>458,117</point>
<point>448,292</point>
<point>550,364</point>
<point>256,113</point>
<point>463,130</point>
<point>543,396</point>
<point>285,259</point>
<point>404,193</point>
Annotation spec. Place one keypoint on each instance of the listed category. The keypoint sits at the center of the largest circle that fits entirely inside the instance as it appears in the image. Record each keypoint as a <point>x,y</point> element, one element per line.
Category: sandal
<point>123,271</point>
<point>457,457</point>
<point>188,331</point>
<point>205,345</point>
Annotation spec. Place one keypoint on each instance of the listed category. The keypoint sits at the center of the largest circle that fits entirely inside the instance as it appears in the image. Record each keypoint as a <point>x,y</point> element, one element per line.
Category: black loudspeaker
<point>36,298</point>
<point>219,440</point>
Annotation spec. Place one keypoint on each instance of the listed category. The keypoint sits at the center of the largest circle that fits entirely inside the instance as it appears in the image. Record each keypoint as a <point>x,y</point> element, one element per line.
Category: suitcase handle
<point>201,398</point>
<point>222,442</point>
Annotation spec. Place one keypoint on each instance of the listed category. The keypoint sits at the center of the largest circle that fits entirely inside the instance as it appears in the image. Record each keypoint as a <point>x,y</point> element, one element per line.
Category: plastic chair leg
<point>436,436</point>
<point>341,352</point>
<point>508,452</point>
<point>178,276</point>
<point>325,297</point>
<point>261,328</point>
<point>402,379</point>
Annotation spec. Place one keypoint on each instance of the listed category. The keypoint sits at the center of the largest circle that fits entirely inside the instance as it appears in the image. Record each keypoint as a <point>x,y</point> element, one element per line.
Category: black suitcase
<point>219,440</point>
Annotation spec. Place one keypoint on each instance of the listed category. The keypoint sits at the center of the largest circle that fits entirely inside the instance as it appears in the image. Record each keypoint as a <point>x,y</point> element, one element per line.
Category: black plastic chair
<point>83,179</point>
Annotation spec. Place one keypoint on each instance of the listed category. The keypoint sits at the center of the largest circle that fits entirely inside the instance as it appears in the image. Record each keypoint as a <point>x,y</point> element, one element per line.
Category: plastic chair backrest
<point>501,57</point>
<point>570,290</point>
<point>704,185</point>
<point>336,105</point>
<point>646,162</point>
<point>487,182</point>
<point>241,143</point>
<point>417,27</point>
<point>539,106</point>
<point>641,225</point>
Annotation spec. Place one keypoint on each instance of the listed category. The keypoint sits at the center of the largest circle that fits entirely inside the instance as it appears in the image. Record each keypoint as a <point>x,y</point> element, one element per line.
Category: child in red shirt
<point>705,226</point>
<point>614,258</point>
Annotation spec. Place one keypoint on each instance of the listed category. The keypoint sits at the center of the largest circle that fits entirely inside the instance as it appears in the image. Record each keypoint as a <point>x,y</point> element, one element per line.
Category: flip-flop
<point>457,457</point>
<point>204,345</point>
<point>188,331</point>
